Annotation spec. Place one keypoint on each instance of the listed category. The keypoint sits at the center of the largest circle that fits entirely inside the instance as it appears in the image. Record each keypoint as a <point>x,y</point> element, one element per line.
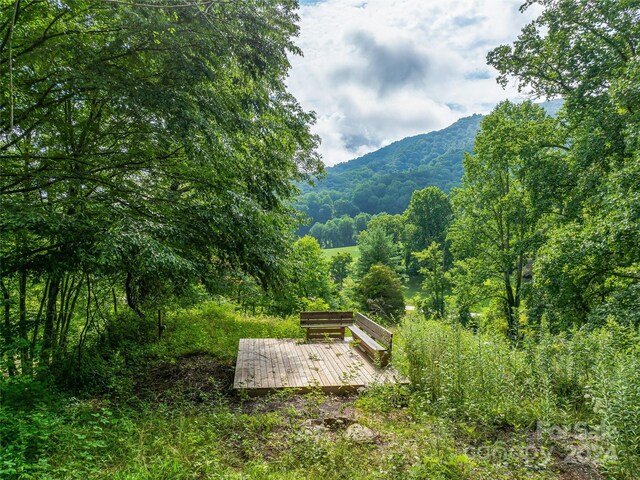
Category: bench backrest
<point>325,317</point>
<point>375,331</point>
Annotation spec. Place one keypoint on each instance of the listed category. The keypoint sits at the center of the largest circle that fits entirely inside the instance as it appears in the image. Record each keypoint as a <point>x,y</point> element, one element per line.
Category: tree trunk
<point>511,310</point>
<point>87,322</point>
<point>25,362</point>
<point>6,331</point>
<point>36,326</point>
<point>70,307</point>
<point>49,320</point>
<point>115,301</point>
<point>132,301</point>
<point>60,311</point>
<point>161,326</point>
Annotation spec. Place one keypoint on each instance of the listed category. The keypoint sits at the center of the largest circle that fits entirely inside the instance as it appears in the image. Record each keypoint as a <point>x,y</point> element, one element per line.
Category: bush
<point>27,424</point>
<point>380,293</point>
<point>463,375</point>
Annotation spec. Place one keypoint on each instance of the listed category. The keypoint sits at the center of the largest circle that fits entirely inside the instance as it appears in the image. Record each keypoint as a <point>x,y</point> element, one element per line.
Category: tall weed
<point>585,376</point>
<point>616,394</point>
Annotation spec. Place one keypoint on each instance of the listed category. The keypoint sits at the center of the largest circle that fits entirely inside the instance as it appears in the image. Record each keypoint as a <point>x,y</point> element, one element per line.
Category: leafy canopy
<point>587,52</point>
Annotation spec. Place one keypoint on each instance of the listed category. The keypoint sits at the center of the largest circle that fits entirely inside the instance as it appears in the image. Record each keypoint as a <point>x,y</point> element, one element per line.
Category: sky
<point>377,71</point>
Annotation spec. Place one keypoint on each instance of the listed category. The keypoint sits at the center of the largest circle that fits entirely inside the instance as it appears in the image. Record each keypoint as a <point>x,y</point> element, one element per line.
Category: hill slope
<point>383,181</point>
<point>433,158</point>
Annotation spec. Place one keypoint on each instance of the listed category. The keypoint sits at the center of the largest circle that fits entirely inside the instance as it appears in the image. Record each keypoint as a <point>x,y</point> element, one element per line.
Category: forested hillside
<point>383,181</point>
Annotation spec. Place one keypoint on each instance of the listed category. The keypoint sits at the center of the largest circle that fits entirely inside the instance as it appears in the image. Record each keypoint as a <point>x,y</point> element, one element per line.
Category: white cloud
<point>377,71</point>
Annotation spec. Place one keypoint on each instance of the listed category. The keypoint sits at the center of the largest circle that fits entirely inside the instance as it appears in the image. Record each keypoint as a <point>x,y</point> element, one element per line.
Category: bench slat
<point>327,324</point>
<point>317,334</point>
<point>364,338</point>
<point>368,345</point>
<point>327,315</point>
<point>374,330</point>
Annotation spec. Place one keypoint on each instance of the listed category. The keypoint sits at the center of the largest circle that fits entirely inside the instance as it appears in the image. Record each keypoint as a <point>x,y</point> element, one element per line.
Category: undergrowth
<point>588,379</point>
<point>478,408</point>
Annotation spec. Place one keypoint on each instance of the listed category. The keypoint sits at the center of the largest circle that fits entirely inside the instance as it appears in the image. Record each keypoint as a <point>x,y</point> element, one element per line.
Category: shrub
<point>380,293</point>
<point>465,375</point>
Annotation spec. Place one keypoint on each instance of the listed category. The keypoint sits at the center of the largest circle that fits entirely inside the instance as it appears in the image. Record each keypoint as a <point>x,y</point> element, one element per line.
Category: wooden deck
<point>266,364</point>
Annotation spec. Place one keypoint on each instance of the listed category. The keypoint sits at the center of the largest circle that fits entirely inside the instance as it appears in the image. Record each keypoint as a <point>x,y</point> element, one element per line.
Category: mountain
<point>384,180</point>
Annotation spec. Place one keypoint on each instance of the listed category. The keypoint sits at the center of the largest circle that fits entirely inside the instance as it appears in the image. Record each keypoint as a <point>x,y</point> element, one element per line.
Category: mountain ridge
<point>385,179</point>
<point>393,145</point>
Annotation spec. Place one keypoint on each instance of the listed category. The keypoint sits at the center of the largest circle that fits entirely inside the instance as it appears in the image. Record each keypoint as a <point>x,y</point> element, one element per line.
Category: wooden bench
<point>375,341</point>
<point>321,325</point>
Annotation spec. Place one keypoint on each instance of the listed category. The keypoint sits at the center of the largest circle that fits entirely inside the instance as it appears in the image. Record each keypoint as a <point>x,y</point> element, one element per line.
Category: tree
<point>436,283</point>
<point>380,293</point>
<point>365,198</point>
<point>361,221</point>
<point>145,149</point>
<point>343,206</point>
<point>331,234</point>
<point>306,281</point>
<point>377,247</point>
<point>392,225</point>
<point>319,206</point>
<point>586,52</point>
<point>426,221</point>
<point>319,232</point>
<point>339,267</point>
<point>309,273</point>
<point>495,229</point>
<point>340,231</point>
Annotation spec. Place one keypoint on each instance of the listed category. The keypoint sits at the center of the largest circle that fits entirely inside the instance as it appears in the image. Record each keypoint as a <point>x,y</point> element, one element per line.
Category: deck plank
<point>283,369</point>
<point>298,378</point>
<point>274,356</point>
<point>265,379</point>
<point>272,364</point>
<point>311,369</point>
<point>332,354</point>
<point>329,365</point>
<point>269,364</point>
<point>318,365</point>
<point>286,372</point>
<point>305,376</point>
<point>240,371</point>
<point>360,367</point>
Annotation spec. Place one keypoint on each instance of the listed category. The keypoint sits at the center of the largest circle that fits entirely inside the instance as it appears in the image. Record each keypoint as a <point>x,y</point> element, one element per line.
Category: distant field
<point>412,288</point>
<point>330,252</point>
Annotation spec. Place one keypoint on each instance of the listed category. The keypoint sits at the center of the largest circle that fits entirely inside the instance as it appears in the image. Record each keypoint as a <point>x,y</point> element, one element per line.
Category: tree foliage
<point>307,279</point>
<point>144,148</point>
<point>437,281</point>
<point>339,267</point>
<point>496,226</point>
<point>377,248</point>
<point>426,220</point>
<point>586,52</point>
<point>379,293</point>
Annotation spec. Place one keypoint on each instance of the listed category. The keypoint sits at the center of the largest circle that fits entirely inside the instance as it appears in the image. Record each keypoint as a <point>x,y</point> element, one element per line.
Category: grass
<point>411,289</point>
<point>330,252</point>
<point>447,428</point>
<point>215,329</point>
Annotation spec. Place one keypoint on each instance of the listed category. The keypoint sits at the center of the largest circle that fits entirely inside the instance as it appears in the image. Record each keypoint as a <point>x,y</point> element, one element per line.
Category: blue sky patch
<point>478,75</point>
